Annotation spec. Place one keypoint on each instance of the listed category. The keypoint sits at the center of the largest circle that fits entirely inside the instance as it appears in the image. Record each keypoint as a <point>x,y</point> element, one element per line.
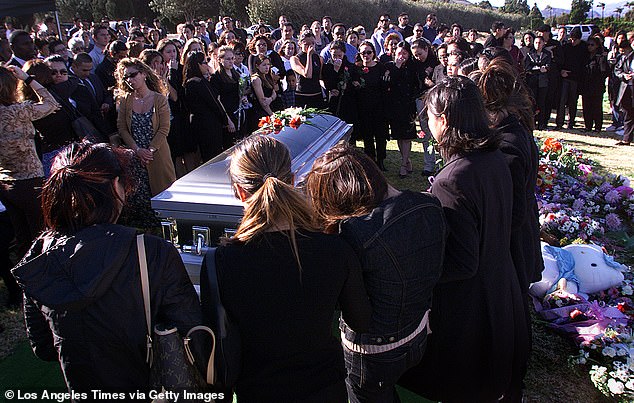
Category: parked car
<point>586,30</point>
<point>252,28</point>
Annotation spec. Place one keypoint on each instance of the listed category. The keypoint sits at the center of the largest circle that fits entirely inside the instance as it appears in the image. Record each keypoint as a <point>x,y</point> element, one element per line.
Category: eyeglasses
<point>131,75</point>
<point>367,52</point>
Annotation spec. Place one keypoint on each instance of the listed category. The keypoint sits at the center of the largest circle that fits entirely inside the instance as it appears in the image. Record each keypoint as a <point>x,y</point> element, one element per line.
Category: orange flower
<point>264,121</point>
<point>277,124</point>
<point>295,122</point>
<point>550,144</point>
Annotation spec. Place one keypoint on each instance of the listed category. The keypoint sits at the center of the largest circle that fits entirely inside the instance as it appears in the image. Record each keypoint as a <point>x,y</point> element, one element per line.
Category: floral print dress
<point>138,211</point>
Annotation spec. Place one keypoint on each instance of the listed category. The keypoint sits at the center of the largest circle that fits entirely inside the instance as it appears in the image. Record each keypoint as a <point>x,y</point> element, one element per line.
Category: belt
<point>382,348</point>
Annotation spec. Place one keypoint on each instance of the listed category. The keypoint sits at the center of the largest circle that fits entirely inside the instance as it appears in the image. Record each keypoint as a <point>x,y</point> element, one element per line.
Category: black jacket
<point>83,303</point>
<point>522,157</point>
<point>574,59</point>
<point>206,116</point>
<point>478,303</point>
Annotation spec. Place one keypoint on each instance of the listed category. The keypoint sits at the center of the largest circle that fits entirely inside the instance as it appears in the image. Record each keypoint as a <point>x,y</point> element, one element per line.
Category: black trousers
<point>543,114</point>
<point>371,132</point>
<point>593,110</point>
<point>6,236</point>
<point>628,115</point>
<point>22,200</point>
<point>569,97</point>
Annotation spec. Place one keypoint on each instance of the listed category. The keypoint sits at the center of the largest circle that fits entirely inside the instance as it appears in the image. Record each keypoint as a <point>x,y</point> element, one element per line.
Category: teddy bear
<point>586,268</point>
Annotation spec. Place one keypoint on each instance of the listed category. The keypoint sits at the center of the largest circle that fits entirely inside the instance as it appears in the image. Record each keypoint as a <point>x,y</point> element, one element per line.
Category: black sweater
<point>285,313</point>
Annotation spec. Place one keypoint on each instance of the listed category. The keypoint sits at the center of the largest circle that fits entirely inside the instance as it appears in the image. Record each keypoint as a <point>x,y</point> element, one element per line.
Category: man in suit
<point>22,47</point>
<point>92,99</point>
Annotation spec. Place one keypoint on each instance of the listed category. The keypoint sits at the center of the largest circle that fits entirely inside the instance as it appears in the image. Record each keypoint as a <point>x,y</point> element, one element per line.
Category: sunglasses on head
<point>63,72</point>
<point>131,75</point>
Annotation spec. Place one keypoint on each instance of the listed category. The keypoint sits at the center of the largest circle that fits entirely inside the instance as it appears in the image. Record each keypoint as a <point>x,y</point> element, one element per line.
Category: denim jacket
<point>401,247</point>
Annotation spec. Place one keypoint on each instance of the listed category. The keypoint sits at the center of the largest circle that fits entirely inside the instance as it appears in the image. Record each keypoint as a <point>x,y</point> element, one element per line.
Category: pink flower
<point>586,169</point>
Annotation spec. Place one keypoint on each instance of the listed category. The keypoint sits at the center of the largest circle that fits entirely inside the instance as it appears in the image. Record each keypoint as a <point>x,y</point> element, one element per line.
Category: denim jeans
<point>372,377</point>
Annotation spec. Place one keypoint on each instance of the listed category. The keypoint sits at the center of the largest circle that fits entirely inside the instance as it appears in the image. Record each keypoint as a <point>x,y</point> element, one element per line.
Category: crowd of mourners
<point>432,286</point>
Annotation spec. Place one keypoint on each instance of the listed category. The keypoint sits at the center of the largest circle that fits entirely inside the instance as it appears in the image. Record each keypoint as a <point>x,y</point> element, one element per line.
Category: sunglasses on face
<point>63,72</point>
<point>367,52</point>
<point>131,75</point>
<point>383,20</point>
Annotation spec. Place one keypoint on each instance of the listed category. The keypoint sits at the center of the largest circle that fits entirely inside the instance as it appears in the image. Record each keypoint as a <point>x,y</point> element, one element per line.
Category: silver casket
<point>200,207</point>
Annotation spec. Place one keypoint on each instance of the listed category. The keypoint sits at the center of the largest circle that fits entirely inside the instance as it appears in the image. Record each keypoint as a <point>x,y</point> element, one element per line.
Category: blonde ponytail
<point>261,166</point>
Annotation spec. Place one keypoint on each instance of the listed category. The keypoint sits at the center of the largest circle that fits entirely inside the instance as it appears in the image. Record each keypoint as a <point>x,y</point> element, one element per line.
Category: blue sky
<point>554,3</point>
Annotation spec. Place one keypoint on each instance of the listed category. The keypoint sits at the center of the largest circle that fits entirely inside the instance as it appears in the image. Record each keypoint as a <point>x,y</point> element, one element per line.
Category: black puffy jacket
<point>84,304</point>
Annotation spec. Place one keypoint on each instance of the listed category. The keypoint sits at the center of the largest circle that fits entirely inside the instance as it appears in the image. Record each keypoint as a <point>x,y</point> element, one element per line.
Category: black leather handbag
<point>228,350</point>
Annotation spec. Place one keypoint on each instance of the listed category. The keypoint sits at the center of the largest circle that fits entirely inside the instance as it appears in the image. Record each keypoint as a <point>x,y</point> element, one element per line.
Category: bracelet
<point>29,80</point>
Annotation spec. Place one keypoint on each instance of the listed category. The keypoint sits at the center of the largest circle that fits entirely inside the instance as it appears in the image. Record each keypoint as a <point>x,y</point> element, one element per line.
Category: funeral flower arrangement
<point>577,204</point>
<point>292,117</point>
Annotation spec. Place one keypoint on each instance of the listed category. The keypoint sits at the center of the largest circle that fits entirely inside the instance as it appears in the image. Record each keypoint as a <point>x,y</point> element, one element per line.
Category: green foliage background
<point>351,12</point>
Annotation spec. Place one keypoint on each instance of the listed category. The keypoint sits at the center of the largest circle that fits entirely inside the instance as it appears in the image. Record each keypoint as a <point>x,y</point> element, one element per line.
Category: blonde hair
<point>153,81</point>
<point>261,166</point>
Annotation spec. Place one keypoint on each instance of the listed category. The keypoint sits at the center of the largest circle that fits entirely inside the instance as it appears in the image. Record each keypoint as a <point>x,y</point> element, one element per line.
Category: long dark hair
<point>80,191</point>
<point>192,68</point>
<point>344,182</point>
<point>459,99</point>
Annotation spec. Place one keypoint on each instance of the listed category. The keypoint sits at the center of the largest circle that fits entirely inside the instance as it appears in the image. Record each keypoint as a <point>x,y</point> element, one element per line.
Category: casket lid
<point>206,192</point>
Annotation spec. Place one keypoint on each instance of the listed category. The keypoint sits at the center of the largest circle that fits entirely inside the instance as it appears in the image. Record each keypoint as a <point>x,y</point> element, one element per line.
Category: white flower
<point>615,386</point>
<point>609,351</point>
<point>630,384</point>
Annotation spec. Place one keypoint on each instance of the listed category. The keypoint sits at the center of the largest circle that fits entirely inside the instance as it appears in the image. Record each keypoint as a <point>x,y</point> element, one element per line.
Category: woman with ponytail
<point>280,280</point>
<point>83,303</point>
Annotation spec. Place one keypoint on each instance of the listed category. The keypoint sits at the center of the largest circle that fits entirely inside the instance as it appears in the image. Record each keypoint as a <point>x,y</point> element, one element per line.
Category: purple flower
<point>612,221</point>
<point>605,187</point>
<point>613,196</point>
<point>578,204</point>
<point>626,191</point>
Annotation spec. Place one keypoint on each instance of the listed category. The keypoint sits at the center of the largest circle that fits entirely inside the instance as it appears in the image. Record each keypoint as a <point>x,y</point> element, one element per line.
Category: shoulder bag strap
<point>216,99</point>
<point>212,276</point>
<point>211,374</point>
<point>145,287</point>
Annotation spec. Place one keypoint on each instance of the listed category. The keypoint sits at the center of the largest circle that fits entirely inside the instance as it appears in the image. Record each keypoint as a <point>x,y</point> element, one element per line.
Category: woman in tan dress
<point>143,123</point>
